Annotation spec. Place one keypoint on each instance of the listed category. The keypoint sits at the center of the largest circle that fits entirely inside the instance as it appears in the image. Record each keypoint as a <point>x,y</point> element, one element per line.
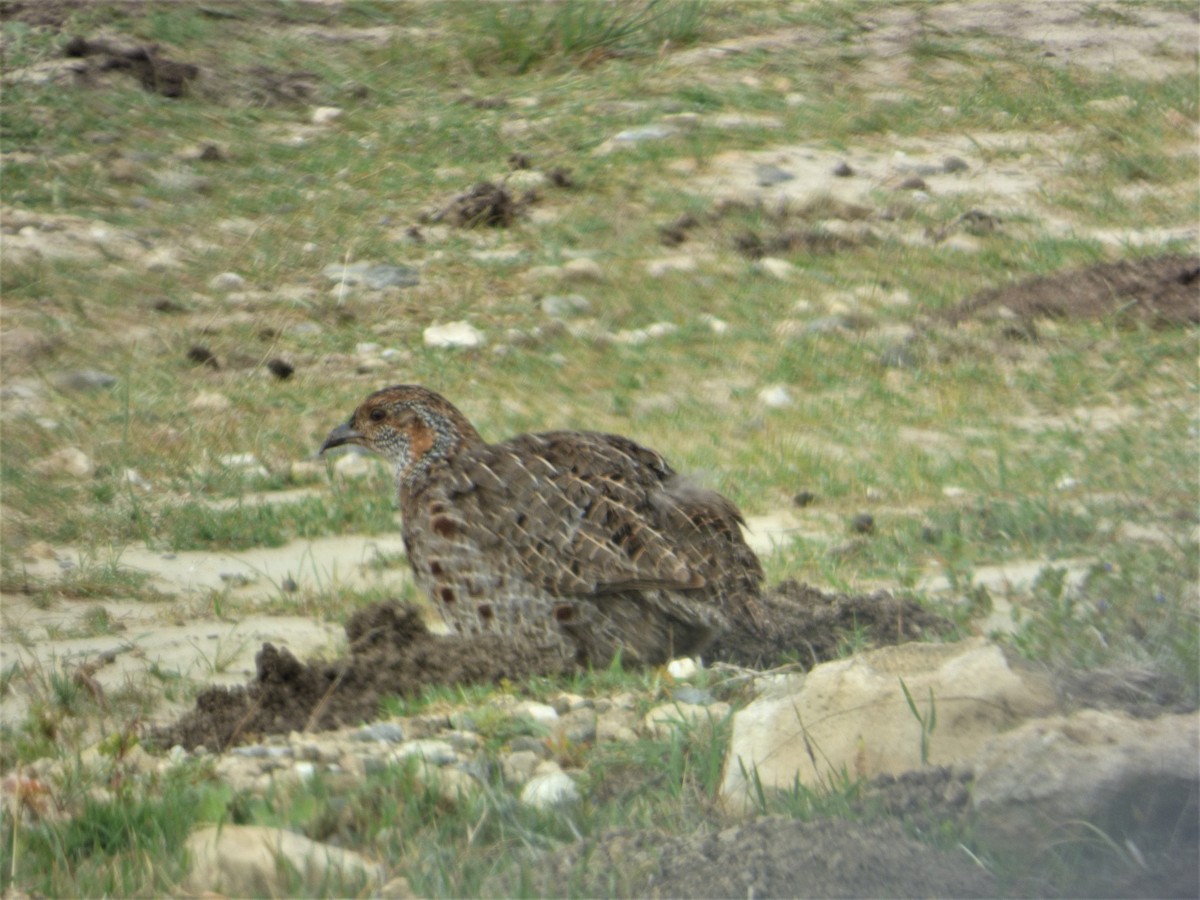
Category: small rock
<point>779,269</point>
<point>665,720</point>
<point>352,465</point>
<point>715,325</point>
<point>843,170</point>
<point>952,492</point>
<point>280,368</point>
<point>562,307</point>
<point>582,270</point>
<point>540,713</point>
<point>804,498</point>
<point>437,752</point>
<point>375,276</point>
<point>303,470</point>
<point>202,356</point>
<point>1119,104</point>
<point>645,133</point>
<point>454,334</point>
<point>863,523</point>
<point>775,397</point>
<point>255,861</point>
<point>683,668</point>
<point>518,767</point>
<point>669,265</point>
<point>324,115</point>
<point>954,164</point>
<point>577,726</point>
<point>913,183</point>
<point>84,380</point>
<point>550,788</point>
<point>769,175</point>
<point>227,281</point>
<point>383,732</point>
<point>66,461</point>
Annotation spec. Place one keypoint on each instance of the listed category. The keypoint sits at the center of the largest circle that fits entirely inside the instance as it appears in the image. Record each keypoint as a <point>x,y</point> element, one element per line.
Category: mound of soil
<point>1162,291</point>
<point>392,653</point>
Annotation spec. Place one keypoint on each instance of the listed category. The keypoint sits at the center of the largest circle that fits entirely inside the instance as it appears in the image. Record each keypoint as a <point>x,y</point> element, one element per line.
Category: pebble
<point>226,281</point>
<point>768,175</point>
<point>644,133</point>
<point>375,276</point>
<point>352,465</point>
<point>669,265</point>
<point>565,306</point>
<point>541,713</point>
<point>382,732</point>
<point>550,788</point>
<point>779,269</point>
<point>683,668</point>
<point>84,380</point>
<point>428,750</point>
<point>775,397</point>
<point>454,334</point>
<point>582,270</point>
<point>69,461</point>
<point>324,115</point>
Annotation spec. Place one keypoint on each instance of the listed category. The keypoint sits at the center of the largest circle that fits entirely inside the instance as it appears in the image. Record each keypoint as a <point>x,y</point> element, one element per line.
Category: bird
<point>582,542</point>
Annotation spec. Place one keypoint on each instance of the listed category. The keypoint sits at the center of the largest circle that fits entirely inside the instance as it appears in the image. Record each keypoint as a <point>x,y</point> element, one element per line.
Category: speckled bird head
<point>407,424</point>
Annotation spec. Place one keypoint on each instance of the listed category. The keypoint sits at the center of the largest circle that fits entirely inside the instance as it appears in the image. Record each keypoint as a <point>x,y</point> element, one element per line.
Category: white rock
<point>539,712</point>
<point>669,265</point>
<point>851,715</point>
<point>550,788</point>
<point>209,402</point>
<point>953,492</point>
<point>775,397</point>
<point>240,461</point>
<point>324,115</point>
<point>227,281</point>
<point>715,325</point>
<point>66,461</point>
<point>352,465</point>
<point>454,334</point>
<point>779,269</point>
<point>684,668</point>
<point>252,861</point>
<point>582,270</point>
<point>430,750</point>
<point>562,307</point>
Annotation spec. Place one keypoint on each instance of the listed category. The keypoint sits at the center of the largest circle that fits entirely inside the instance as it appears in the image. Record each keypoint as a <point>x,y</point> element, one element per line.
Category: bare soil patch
<point>393,653</point>
<point>1162,291</point>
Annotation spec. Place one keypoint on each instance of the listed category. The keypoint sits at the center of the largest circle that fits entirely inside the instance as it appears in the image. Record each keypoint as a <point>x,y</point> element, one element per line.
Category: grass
<point>988,448</point>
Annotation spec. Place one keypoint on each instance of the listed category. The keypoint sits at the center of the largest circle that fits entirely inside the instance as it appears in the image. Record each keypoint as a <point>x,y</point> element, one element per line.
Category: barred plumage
<point>575,538</point>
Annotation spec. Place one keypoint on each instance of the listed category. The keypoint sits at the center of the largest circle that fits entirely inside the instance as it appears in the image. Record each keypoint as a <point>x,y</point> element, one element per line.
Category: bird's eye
<point>378,414</point>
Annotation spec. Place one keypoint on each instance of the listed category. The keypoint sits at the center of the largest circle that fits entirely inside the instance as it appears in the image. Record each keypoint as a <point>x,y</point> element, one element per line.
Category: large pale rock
<point>851,715</point>
<point>250,861</point>
<point>1120,774</point>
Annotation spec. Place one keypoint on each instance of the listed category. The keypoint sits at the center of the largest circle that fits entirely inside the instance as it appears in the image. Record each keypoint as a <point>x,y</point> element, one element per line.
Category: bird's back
<point>579,535</point>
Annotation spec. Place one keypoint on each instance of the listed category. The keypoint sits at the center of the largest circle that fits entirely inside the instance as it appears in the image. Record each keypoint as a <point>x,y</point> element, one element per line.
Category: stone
<point>1117,773</point>
<point>582,270</point>
<point>577,726</point>
<point>541,713</point>
<point>70,461</point>
<point>325,115</point>
<point>454,335</point>
<point>226,281</point>
<point>562,307</point>
<point>775,397</point>
<point>852,716</point>
<point>670,265</point>
<point>550,788</point>
<point>375,276</point>
<point>84,380</point>
<point>439,753</point>
<point>683,668</point>
<point>779,269</point>
<point>518,767</point>
<point>254,861</point>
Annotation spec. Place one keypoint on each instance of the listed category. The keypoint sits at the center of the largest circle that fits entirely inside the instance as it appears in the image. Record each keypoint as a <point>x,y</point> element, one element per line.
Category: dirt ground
<point>1161,291</point>
<point>392,653</point>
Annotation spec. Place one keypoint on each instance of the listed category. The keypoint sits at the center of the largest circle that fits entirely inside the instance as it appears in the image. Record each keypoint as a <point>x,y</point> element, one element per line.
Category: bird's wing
<point>577,513</point>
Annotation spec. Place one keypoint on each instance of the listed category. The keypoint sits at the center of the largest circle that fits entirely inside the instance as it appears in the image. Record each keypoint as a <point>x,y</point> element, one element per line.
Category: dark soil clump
<point>1162,291</point>
<point>486,204</point>
<point>806,625</point>
<point>391,652</point>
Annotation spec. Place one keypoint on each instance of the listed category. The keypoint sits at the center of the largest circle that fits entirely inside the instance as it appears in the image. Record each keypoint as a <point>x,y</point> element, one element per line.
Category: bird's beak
<point>343,434</point>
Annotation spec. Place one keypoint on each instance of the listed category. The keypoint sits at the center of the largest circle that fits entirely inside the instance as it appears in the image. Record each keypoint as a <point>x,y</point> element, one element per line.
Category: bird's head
<point>408,425</point>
